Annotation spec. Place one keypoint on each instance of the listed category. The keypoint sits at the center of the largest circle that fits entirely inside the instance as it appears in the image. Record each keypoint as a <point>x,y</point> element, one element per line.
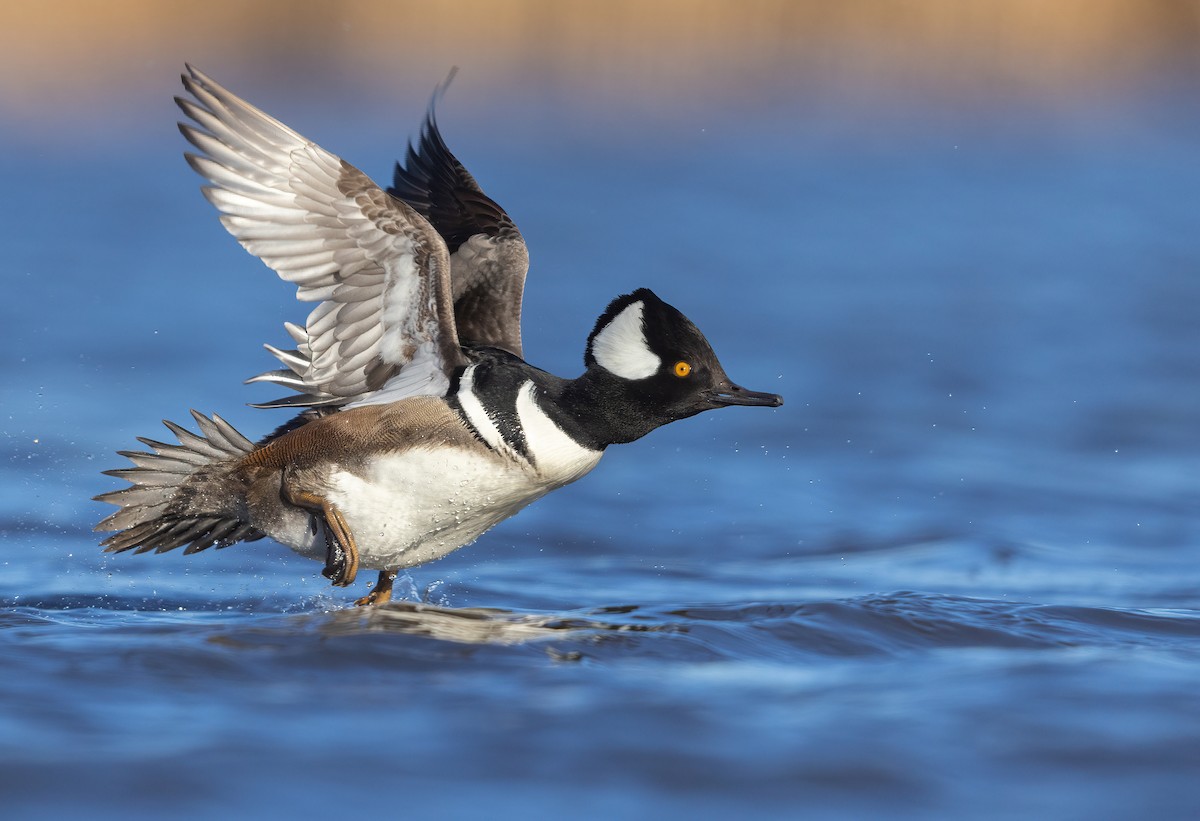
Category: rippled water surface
<point>954,576</point>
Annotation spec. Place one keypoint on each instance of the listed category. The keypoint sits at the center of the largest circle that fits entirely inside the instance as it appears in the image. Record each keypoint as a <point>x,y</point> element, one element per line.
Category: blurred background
<point>960,238</point>
<point>695,53</point>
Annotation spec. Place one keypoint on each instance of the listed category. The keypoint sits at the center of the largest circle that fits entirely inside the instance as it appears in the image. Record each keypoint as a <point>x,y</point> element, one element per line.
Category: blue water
<point>955,575</point>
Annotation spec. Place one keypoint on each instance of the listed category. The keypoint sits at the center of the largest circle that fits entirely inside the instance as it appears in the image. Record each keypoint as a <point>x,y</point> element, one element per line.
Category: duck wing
<point>488,256</point>
<point>384,326</point>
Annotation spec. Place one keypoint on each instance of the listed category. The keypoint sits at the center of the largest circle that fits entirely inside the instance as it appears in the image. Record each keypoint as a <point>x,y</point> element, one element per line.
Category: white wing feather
<point>378,269</point>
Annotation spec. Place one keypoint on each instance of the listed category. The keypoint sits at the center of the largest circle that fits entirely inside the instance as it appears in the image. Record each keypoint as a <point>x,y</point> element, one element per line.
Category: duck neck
<point>599,409</point>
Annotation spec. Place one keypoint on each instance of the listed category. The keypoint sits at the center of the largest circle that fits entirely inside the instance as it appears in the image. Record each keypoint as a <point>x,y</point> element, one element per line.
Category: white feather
<point>422,376</point>
<point>556,456</point>
<point>415,506</point>
<point>284,199</point>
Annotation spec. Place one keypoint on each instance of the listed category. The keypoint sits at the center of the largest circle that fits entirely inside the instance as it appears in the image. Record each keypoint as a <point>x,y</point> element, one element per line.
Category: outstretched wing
<point>378,269</point>
<point>487,253</point>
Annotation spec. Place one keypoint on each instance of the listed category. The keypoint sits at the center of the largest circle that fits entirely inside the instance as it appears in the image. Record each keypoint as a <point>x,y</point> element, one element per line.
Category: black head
<point>654,366</point>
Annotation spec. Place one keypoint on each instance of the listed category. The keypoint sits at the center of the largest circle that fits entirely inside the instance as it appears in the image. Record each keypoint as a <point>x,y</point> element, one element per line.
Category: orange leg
<point>382,594</point>
<point>341,561</point>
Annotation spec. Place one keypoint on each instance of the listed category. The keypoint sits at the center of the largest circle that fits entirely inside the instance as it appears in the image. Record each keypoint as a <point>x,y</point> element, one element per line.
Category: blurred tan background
<point>57,58</point>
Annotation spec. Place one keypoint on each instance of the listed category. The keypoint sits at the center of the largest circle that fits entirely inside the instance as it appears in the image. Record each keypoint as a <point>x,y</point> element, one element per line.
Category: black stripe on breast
<point>504,414</point>
<point>494,385</point>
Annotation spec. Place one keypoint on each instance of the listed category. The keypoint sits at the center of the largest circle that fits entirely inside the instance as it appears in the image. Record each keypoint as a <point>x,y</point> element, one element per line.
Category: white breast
<point>557,458</point>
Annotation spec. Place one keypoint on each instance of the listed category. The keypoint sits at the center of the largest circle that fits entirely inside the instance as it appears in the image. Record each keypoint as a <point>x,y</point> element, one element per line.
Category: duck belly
<point>408,508</point>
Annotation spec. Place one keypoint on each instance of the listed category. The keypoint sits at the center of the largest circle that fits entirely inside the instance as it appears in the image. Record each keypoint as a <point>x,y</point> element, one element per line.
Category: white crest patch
<point>621,348</point>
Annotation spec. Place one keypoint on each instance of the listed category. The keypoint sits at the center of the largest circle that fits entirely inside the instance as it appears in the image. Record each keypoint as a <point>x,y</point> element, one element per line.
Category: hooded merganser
<point>422,426</point>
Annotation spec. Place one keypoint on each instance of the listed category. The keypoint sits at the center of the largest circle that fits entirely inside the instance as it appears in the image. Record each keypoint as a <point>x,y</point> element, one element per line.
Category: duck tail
<point>181,494</point>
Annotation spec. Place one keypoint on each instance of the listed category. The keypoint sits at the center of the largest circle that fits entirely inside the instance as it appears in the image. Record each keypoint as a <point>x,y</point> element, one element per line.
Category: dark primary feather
<point>436,184</point>
<point>488,277</point>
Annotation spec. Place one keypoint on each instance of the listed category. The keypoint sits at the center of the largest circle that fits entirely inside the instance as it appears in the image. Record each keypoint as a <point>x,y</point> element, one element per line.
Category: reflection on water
<point>474,625</point>
<point>892,623</point>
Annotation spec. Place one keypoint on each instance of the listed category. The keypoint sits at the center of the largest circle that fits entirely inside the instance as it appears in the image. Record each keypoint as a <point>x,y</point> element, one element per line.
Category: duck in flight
<point>420,426</point>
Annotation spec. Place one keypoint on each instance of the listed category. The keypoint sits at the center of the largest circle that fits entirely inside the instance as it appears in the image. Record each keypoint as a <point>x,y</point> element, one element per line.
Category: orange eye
<point>682,369</point>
